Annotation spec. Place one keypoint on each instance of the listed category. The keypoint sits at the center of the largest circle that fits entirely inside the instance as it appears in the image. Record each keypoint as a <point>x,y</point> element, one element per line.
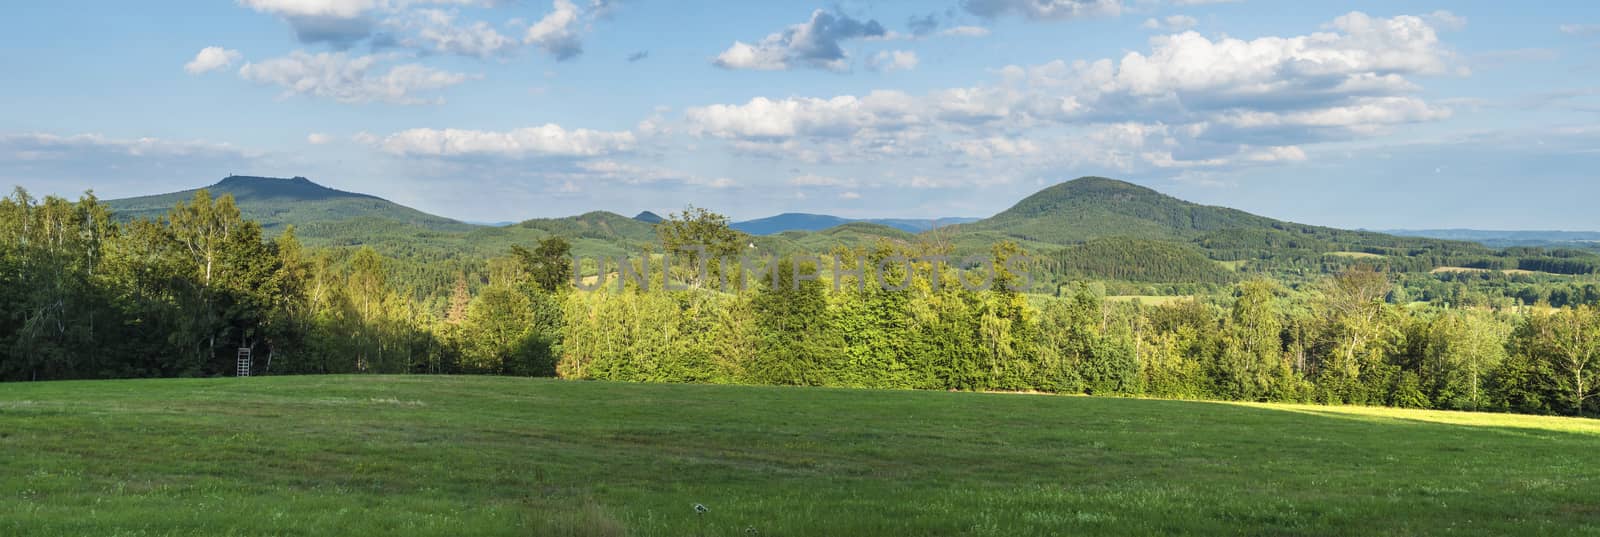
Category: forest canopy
<point>85,295</point>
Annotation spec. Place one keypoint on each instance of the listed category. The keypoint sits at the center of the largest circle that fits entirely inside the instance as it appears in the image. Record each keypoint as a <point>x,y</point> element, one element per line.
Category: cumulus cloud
<point>317,138</point>
<point>437,30</point>
<point>349,79</point>
<point>414,24</point>
<point>547,140</point>
<point>1365,60</point>
<point>1187,101</point>
<point>210,59</point>
<point>1044,9</point>
<point>558,33</point>
<point>313,8</point>
<point>340,23</point>
<point>1173,23</point>
<point>840,116</point>
<point>815,43</point>
<point>893,60</point>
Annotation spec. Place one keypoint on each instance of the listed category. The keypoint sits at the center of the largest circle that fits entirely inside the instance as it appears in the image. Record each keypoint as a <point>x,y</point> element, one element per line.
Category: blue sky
<point>1353,114</point>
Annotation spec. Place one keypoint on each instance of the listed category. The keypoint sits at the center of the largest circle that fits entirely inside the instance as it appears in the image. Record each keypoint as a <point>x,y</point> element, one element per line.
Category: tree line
<point>82,296</point>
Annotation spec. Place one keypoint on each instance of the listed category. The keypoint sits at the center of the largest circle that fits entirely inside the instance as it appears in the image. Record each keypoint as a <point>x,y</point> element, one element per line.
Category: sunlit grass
<point>1474,419</point>
<point>458,456</point>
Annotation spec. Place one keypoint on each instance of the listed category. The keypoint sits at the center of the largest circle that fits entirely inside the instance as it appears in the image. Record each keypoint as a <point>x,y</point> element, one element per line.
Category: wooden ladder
<point>244,362</point>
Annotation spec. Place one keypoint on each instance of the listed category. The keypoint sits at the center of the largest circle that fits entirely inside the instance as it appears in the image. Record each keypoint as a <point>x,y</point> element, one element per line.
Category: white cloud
<point>437,30</point>
<point>820,180</point>
<point>1044,9</point>
<point>633,174</point>
<point>1188,101</point>
<point>547,140</point>
<point>1173,23</point>
<point>557,33</point>
<point>849,195</point>
<point>344,24</point>
<point>38,146</point>
<point>815,43</point>
<point>317,138</point>
<point>210,59</point>
<point>965,31</point>
<point>768,118</point>
<point>893,60</point>
<point>996,147</point>
<point>338,76</point>
<point>1277,153</point>
<point>313,8</point>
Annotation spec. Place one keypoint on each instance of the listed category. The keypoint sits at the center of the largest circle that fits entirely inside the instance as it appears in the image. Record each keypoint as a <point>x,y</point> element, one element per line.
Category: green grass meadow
<point>470,456</point>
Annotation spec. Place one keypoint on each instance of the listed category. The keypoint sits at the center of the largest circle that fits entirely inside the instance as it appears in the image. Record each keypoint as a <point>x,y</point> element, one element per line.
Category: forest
<point>84,294</point>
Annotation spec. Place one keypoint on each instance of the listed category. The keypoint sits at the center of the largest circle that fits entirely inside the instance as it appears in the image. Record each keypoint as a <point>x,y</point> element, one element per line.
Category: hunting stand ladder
<point>244,362</point>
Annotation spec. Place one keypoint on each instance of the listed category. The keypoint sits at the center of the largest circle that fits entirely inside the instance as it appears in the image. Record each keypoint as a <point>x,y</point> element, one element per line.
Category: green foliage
<point>1137,260</point>
<point>549,265</point>
<point>84,295</point>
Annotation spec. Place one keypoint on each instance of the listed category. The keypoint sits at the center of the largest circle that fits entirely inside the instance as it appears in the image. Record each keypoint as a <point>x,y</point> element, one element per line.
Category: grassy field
<point>1440,270</point>
<point>459,456</point>
<point>1150,300</point>
<point>1356,255</point>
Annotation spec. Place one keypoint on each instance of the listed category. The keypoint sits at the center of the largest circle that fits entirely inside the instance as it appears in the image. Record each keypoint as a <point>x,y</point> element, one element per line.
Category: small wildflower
<point>700,509</point>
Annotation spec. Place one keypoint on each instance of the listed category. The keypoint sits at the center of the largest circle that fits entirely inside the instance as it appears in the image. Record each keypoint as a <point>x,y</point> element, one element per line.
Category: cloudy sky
<point>1370,114</point>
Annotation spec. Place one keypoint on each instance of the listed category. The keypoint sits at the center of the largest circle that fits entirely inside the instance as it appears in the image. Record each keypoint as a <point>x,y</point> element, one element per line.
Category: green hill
<point>276,202</point>
<point>326,217</point>
<point>1096,207</point>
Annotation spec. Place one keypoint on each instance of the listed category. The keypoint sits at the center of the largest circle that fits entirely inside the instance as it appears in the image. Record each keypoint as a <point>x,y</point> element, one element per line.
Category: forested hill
<point>1090,208</point>
<point>276,202</point>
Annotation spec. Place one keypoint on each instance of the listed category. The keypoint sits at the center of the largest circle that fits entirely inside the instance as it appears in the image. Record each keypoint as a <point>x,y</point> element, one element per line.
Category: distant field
<point>1149,300</point>
<point>1469,269</point>
<point>1356,255</point>
<point>475,456</point>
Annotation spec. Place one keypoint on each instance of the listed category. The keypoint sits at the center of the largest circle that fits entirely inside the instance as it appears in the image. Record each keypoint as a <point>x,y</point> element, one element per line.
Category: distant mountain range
<point>773,225</point>
<point>1503,239</point>
<point>1090,226</point>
